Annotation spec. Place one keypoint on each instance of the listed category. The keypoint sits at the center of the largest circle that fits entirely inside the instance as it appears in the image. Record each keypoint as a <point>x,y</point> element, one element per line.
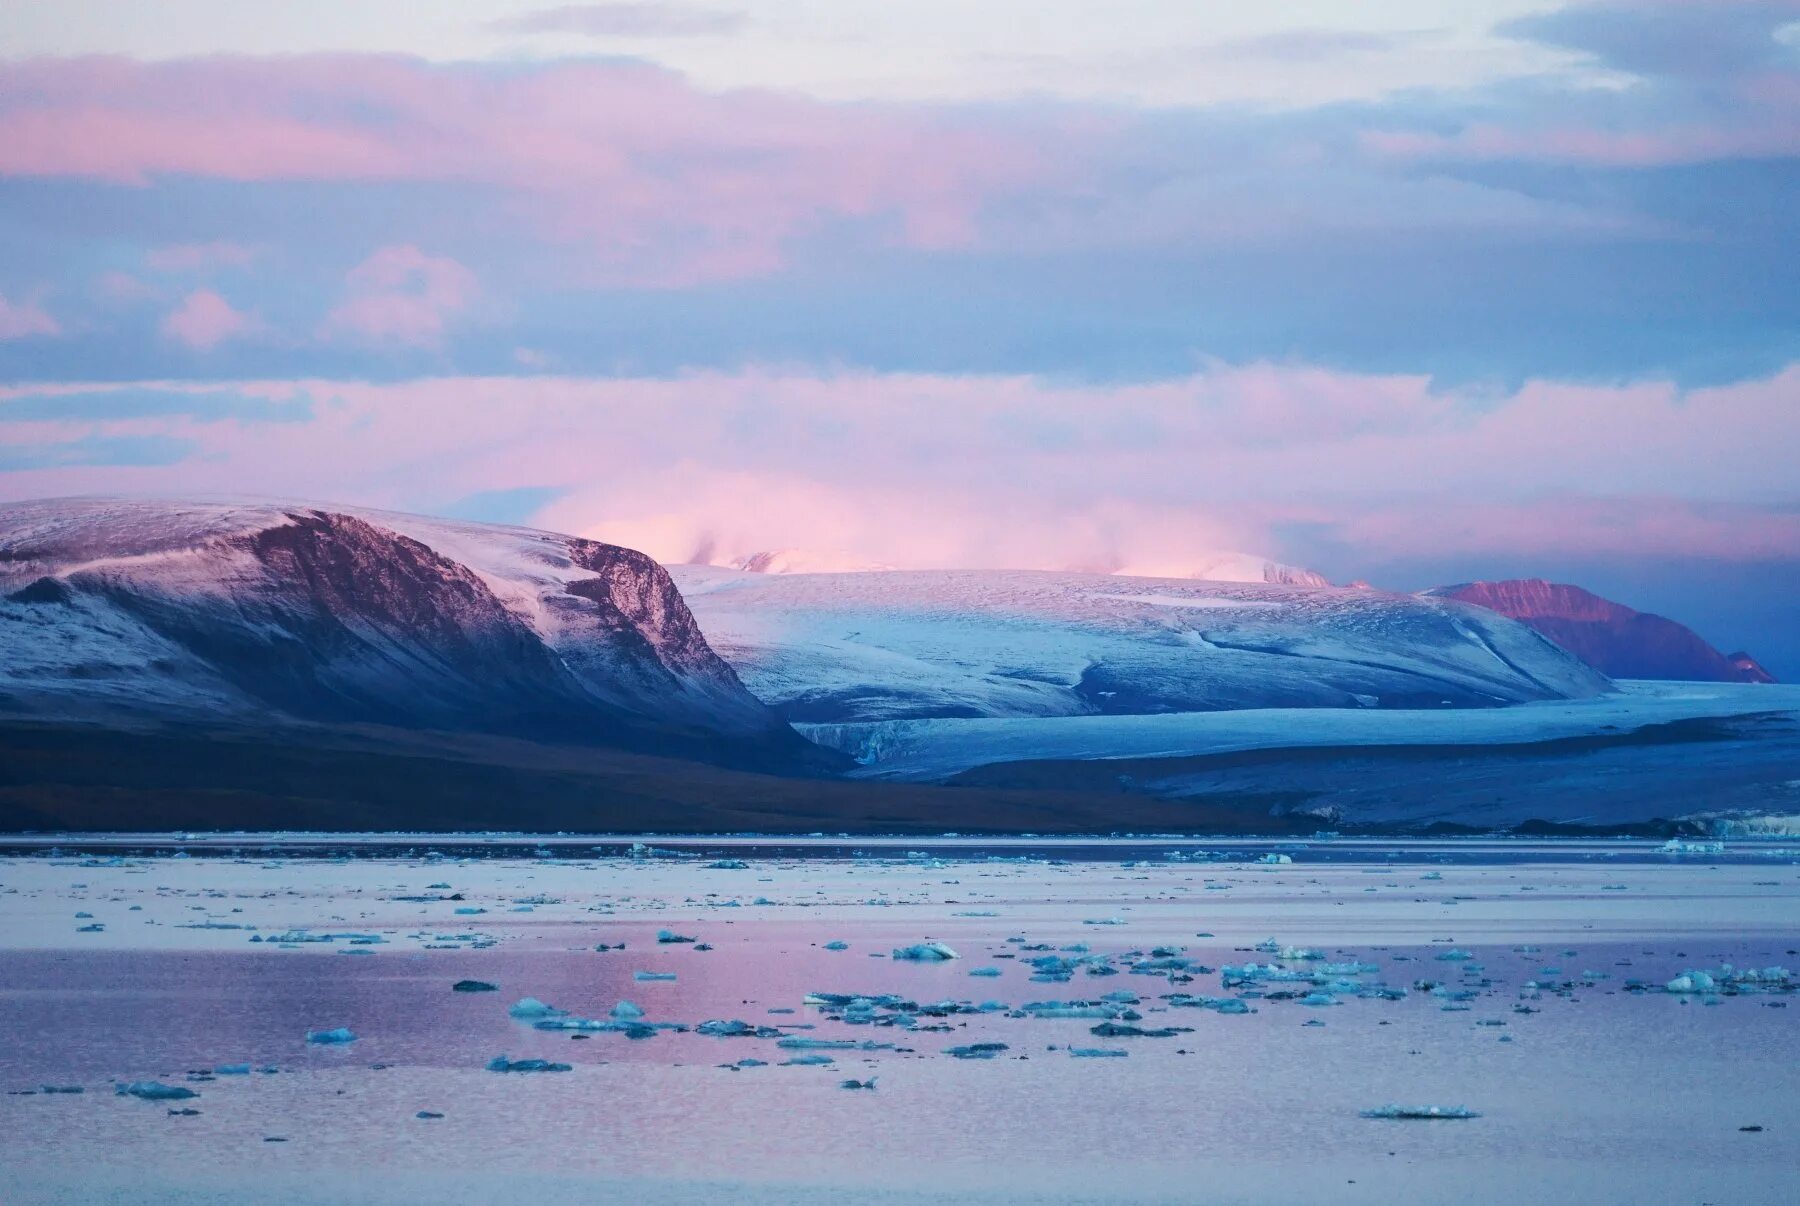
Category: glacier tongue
<point>846,648</point>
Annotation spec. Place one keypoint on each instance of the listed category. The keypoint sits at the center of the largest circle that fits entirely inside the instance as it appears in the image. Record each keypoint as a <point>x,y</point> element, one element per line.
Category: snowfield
<point>937,749</point>
<point>864,647</point>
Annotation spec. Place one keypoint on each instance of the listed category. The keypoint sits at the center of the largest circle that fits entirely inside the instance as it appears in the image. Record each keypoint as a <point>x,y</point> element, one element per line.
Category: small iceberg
<point>341,1034</point>
<point>976,1051</point>
<point>925,952</point>
<point>531,1007</point>
<point>501,1064</point>
<point>1420,1111</point>
<point>155,1090</point>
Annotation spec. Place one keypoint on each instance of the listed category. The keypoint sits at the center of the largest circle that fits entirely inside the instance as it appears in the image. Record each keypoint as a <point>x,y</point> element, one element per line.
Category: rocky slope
<point>1609,636</point>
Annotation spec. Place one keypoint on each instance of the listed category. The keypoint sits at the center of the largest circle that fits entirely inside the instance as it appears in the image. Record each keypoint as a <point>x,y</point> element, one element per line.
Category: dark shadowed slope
<point>1609,636</point>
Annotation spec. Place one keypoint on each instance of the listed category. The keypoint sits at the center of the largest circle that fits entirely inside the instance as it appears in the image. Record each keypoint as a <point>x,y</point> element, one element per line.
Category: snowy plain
<point>1491,975</point>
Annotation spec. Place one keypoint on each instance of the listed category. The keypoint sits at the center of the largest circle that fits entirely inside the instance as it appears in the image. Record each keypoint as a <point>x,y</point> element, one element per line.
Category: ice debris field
<point>1050,1022</point>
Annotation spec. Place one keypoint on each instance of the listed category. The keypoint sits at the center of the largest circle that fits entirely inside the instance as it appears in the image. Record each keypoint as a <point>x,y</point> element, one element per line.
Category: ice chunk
<point>1677,846</point>
<point>474,986</point>
<point>1420,1111</point>
<point>976,1051</point>
<point>1120,1030</point>
<point>837,946</point>
<point>1097,1053</point>
<point>648,977</point>
<point>340,1035</point>
<point>925,952</point>
<point>984,971</point>
<point>728,864</point>
<point>670,936</point>
<point>857,1084</point>
<point>501,1064</point>
<point>807,1061</point>
<point>627,1010</point>
<point>734,1028</point>
<point>155,1090</point>
<point>531,1007</point>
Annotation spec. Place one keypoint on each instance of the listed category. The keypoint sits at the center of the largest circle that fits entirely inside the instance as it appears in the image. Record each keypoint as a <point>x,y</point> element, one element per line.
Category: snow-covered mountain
<point>841,648</point>
<point>1615,638</point>
<point>113,609</point>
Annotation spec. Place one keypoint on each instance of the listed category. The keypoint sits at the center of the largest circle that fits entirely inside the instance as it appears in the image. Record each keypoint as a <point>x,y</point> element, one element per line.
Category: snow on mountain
<point>1230,567</point>
<point>1610,636</point>
<point>248,611</point>
<point>836,648</point>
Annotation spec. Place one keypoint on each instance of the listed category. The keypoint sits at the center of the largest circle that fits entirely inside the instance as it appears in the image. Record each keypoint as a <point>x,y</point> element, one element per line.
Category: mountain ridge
<point>1610,636</point>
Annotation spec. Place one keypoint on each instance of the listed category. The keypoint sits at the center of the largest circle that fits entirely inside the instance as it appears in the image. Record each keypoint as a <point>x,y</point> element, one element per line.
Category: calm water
<point>1598,1094</point>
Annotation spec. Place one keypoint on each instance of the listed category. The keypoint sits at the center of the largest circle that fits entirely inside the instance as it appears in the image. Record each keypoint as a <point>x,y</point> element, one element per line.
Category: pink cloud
<point>667,184</point>
<point>204,320</point>
<point>916,470</point>
<point>402,295</point>
<point>21,320</point>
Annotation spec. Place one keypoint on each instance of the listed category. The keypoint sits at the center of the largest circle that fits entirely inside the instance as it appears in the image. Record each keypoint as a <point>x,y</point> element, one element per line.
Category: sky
<point>1404,291</point>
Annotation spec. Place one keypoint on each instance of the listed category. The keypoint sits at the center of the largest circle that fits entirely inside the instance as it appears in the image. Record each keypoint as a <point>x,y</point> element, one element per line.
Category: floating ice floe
<point>474,986</point>
<point>501,1064</point>
<point>531,1007</point>
<point>857,1084</point>
<point>976,1051</point>
<point>735,1028</point>
<point>1420,1111</point>
<point>650,977</point>
<point>925,952</point>
<point>154,1090</point>
<point>1097,1053</point>
<point>341,1034</point>
<point>1733,981</point>
<point>1678,846</point>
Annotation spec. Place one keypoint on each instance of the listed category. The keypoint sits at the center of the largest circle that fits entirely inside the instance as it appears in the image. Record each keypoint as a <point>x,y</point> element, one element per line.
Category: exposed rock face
<point>202,611</point>
<point>1609,636</point>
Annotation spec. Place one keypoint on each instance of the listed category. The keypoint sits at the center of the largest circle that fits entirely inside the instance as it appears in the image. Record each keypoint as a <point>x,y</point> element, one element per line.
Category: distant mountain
<point>131,610</point>
<point>1611,637</point>
<point>848,648</point>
